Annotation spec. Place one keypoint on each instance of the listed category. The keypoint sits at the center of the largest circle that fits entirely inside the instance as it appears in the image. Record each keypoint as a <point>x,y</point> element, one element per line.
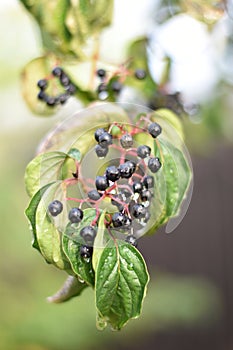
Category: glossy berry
<point>101,151</point>
<point>148,182</point>
<point>140,74</point>
<point>127,169</point>
<point>154,164</point>
<point>88,233</point>
<point>137,187</point>
<point>101,73</point>
<point>71,88</point>
<point>112,173</point>
<point>94,195</point>
<point>120,219</point>
<point>42,84</point>
<point>85,251</point>
<point>126,141</point>
<point>102,88</point>
<point>55,208</point>
<point>101,183</point>
<point>63,98</point>
<point>51,101</point>
<point>64,80</point>
<point>116,87</point>
<point>154,129</point>
<point>131,240</point>
<point>143,151</point>
<point>146,195</point>
<point>42,96</point>
<point>57,72</point>
<point>75,215</point>
<point>105,139</point>
<point>99,132</point>
<point>138,211</point>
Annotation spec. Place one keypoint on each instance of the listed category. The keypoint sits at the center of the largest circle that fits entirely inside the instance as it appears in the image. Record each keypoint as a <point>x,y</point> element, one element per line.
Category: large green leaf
<point>72,242</point>
<point>120,285</point>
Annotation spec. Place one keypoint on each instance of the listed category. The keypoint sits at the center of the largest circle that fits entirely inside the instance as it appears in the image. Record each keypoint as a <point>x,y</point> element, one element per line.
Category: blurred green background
<point>189,301</point>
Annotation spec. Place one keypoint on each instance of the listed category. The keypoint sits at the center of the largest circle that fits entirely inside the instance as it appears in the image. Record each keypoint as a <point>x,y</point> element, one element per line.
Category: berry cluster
<point>127,183</point>
<point>112,85</point>
<point>65,82</point>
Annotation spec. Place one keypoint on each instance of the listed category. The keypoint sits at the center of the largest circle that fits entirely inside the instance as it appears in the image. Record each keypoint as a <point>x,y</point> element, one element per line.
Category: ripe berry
<point>55,208</point>
<point>119,220</point>
<point>57,71</point>
<point>140,74</point>
<point>102,88</point>
<point>85,251</point>
<point>137,187</point>
<point>127,169</point>
<point>64,80</point>
<point>51,101</point>
<point>143,151</point>
<point>99,132</point>
<point>42,84</point>
<point>148,182</point>
<point>138,211</point>
<point>131,240</point>
<point>112,173</point>
<point>71,88</point>
<point>116,86</point>
<point>75,215</point>
<point>101,73</point>
<point>154,129</point>
<point>101,183</point>
<point>42,96</point>
<point>105,139</point>
<point>101,151</point>
<point>154,164</point>
<point>94,195</point>
<point>125,194</point>
<point>126,141</point>
<point>88,233</point>
<point>146,195</point>
<point>63,98</point>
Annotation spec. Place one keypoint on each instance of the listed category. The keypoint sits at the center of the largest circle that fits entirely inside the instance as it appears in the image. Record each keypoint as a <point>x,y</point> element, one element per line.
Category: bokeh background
<point>190,298</point>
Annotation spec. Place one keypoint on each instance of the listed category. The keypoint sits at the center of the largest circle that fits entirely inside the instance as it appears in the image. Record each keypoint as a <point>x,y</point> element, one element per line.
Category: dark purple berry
<point>116,86</point>
<point>137,187</point>
<point>51,101</point>
<point>63,98</point>
<point>42,96</point>
<point>57,72</point>
<point>140,74</point>
<point>64,80</point>
<point>101,183</point>
<point>101,151</point>
<point>138,211</point>
<point>126,141</point>
<point>154,164</point>
<point>102,88</point>
<point>143,151</point>
<point>94,195</point>
<point>146,195</point>
<point>154,129</point>
<point>120,220</point>
<point>131,240</point>
<point>55,208</point>
<point>105,139</point>
<point>127,169</point>
<point>71,88</point>
<point>85,251</point>
<point>42,84</point>
<point>88,233</point>
<point>112,173</point>
<point>99,132</point>
<point>101,73</point>
<point>75,215</point>
<point>148,182</point>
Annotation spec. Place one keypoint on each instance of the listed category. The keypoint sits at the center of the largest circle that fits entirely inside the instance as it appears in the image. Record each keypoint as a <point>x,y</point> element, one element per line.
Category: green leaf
<point>121,281</point>
<point>75,153</point>
<point>46,168</point>
<point>31,213</point>
<point>101,240</point>
<point>71,288</point>
<point>72,242</point>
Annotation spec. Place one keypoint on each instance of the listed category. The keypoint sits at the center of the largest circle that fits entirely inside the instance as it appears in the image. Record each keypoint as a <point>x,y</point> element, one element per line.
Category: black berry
<point>127,169</point>
<point>85,251</point>
<point>63,98</point>
<point>99,132</point>
<point>57,71</point>
<point>55,208</point>
<point>154,129</point>
<point>138,211</point>
<point>120,219</point>
<point>112,173</point>
<point>102,88</point>
<point>116,86</point>
<point>88,233</point>
<point>101,73</point>
<point>101,183</point>
<point>51,101</point>
<point>75,215</point>
<point>71,88</point>
<point>140,74</point>
<point>101,151</point>
<point>137,187</point>
<point>146,195</point>
<point>42,84</point>
<point>154,164</point>
<point>131,240</point>
<point>143,151</point>
<point>148,182</point>
<point>94,195</point>
<point>126,141</point>
<point>64,80</point>
<point>105,139</point>
<point>42,96</point>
